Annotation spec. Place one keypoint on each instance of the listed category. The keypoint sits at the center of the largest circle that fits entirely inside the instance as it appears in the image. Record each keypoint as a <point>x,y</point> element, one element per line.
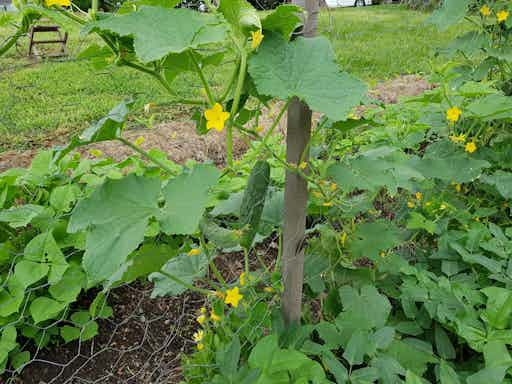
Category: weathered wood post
<point>296,189</point>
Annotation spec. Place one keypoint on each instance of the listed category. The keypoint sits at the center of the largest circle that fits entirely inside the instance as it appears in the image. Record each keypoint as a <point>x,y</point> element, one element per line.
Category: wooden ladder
<point>62,40</point>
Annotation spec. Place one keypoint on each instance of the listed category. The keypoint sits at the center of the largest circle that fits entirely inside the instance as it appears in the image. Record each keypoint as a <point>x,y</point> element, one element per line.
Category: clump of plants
<point>408,251</point>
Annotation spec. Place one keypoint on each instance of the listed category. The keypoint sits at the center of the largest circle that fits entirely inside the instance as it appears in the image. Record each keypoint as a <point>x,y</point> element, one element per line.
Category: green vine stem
<point>146,155</point>
<point>234,107</point>
<point>202,78</point>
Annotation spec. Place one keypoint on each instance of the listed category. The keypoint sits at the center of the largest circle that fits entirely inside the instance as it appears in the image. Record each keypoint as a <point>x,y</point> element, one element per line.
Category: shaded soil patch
<point>142,343</point>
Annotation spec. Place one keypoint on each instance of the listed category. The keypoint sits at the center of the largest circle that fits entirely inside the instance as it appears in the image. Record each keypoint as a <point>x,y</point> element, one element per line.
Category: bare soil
<point>181,142</point>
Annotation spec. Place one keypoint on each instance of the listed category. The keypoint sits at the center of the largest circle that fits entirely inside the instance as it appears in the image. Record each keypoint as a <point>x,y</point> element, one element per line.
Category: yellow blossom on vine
<point>139,140</point>
<point>194,252</point>
<point>453,114</point>
<point>96,152</point>
<point>317,194</point>
<point>214,316</point>
<point>328,204</point>
<point>382,254</point>
<point>148,107</point>
<point>333,187</point>
<point>200,346</point>
<point>410,204</point>
<point>485,10</point>
<point>502,15</point>
<point>458,139</point>
<point>428,204</point>
<point>268,289</point>
<point>216,117</point>
<point>233,296</point>
<point>470,147</point>
<point>443,207</point>
<point>201,319</point>
<point>343,238</point>
<point>257,38</point>
<point>418,195</point>
<point>242,279</point>
<point>259,129</point>
<point>198,336</point>
<point>202,310</point>
<point>60,3</point>
<point>303,165</point>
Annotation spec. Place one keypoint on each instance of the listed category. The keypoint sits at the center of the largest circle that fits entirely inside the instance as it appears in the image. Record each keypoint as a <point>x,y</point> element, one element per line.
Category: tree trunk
<point>296,190</point>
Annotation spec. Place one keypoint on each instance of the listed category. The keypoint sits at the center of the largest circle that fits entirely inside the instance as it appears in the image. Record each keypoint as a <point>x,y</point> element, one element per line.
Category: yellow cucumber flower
<point>194,252</point>
<point>200,346</point>
<point>470,147</point>
<point>139,140</point>
<point>216,117</point>
<point>418,195</point>
<point>453,114</point>
<point>198,336</point>
<point>458,139</point>
<point>214,316</point>
<point>257,38</point>
<point>201,319</point>
<point>60,3</point>
<point>502,16</point>
<point>485,10</point>
<point>233,296</point>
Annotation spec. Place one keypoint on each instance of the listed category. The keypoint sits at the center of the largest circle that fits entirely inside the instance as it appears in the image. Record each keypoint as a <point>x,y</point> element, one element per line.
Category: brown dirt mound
<point>390,92</point>
<point>181,142</point>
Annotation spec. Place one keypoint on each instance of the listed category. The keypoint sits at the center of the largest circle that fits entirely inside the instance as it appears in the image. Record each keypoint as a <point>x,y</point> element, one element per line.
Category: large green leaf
<point>158,31</point>
<point>284,20</point>
<point>488,375</point>
<point>450,13</point>
<point>20,216</point>
<point>305,68</point>
<point>499,307</point>
<point>7,344</point>
<point>146,260</point>
<point>362,310</point>
<point>241,15</point>
<point>447,374</point>
<point>107,128</point>
<point>374,170</point>
<point>502,181</point>
<point>184,268</point>
<point>70,286</point>
<point>29,272</point>
<point>11,297</point>
<point>43,249</point>
<point>43,308</point>
<point>186,197</point>
<point>116,216</point>
<point>370,239</point>
<point>444,160</point>
<point>412,354</point>
<point>491,107</point>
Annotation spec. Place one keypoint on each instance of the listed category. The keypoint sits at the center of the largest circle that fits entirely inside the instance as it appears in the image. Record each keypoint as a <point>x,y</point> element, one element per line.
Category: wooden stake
<point>296,191</point>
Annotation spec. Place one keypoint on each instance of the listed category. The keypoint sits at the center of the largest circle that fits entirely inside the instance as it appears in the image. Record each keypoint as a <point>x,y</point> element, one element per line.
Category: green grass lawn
<point>40,98</point>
